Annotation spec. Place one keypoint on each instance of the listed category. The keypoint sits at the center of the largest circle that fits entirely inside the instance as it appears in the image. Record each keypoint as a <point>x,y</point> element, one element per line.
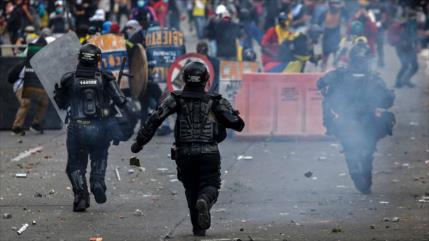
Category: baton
<point>121,71</point>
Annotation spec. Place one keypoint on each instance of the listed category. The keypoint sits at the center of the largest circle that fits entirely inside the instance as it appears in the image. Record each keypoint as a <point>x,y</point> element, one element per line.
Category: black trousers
<point>200,175</point>
<point>87,140</point>
<point>409,65</point>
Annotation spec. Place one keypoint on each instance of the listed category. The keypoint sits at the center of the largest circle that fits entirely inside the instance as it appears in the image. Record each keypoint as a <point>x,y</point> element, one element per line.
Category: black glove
<point>135,147</point>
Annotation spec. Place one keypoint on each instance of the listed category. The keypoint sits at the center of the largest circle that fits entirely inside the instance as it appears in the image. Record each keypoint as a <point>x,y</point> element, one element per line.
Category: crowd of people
<point>281,35</point>
<point>285,30</point>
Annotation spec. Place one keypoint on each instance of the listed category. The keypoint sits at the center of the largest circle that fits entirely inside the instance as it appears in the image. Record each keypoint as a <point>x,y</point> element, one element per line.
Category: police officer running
<point>201,124</point>
<point>354,106</point>
<point>88,95</point>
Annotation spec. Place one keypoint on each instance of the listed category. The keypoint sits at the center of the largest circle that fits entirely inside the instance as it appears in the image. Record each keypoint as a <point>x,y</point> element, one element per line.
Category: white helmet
<point>222,11</point>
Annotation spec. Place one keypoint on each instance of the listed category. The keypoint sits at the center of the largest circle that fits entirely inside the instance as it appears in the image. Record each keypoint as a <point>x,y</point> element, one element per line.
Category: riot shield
<point>53,61</point>
<point>139,71</point>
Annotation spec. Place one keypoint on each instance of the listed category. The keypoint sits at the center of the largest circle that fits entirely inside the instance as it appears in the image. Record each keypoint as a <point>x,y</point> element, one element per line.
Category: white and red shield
<point>174,80</point>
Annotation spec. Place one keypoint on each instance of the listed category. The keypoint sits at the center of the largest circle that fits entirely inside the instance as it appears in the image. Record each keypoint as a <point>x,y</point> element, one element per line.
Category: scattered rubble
<point>138,212</point>
<point>7,216</point>
<point>38,194</point>
<point>117,174</point>
<point>134,161</point>
<point>51,192</point>
<point>21,175</point>
<point>424,199</point>
<point>308,174</point>
<point>27,153</point>
<point>22,229</point>
<point>242,157</point>
<point>337,230</point>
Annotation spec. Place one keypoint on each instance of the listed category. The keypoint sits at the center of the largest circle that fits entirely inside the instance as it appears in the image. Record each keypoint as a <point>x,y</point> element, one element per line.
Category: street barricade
<point>231,75</point>
<point>283,105</point>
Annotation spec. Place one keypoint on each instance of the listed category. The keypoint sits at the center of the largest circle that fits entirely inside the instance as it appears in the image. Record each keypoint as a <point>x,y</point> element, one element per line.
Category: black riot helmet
<point>359,56</point>
<point>195,74</point>
<point>89,55</point>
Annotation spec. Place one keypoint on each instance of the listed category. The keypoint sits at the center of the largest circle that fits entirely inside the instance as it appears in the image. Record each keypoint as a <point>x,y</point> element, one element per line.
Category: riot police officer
<point>201,124</point>
<point>355,111</point>
<point>88,94</point>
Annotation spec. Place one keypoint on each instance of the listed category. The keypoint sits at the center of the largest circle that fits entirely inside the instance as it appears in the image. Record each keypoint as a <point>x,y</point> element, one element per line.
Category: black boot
<point>80,190</point>
<point>99,191</point>
<point>81,202</point>
<point>199,232</point>
<point>203,209</point>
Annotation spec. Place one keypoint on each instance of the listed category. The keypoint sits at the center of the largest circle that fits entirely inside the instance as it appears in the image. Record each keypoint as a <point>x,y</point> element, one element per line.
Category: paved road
<point>266,198</point>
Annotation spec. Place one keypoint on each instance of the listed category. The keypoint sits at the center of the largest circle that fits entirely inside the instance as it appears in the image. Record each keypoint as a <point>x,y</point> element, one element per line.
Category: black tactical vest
<point>196,122</point>
<point>30,77</point>
<point>89,100</point>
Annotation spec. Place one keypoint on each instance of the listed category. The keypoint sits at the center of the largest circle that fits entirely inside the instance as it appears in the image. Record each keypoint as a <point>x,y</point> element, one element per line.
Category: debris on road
<point>242,157</point>
<point>308,174</point>
<point>14,228</point>
<point>34,222</point>
<point>22,229</point>
<point>96,239</point>
<point>334,145</point>
<point>21,175</point>
<point>414,123</point>
<point>342,174</point>
<point>337,230</point>
<point>372,226</point>
<point>7,216</point>
<point>134,161</point>
<point>424,199</point>
<point>27,153</point>
<point>19,141</point>
<point>51,192</point>
<point>162,169</point>
<point>142,169</point>
<point>117,174</point>
<point>383,202</point>
<point>38,194</point>
<point>131,171</point>
<point>174,180</point>
<point>138,212</point>
<point>386,219</point>
<point>395,219</point>
<point>406,165</point>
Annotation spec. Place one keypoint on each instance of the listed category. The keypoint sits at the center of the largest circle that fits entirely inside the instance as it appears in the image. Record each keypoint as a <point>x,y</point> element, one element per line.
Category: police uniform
<point>352,96</point>
<point>88,95</point>
<point>200,125</point>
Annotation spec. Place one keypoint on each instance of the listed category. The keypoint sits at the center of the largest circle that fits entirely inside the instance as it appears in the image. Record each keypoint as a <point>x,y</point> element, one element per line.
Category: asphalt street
<point>265,197</point>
